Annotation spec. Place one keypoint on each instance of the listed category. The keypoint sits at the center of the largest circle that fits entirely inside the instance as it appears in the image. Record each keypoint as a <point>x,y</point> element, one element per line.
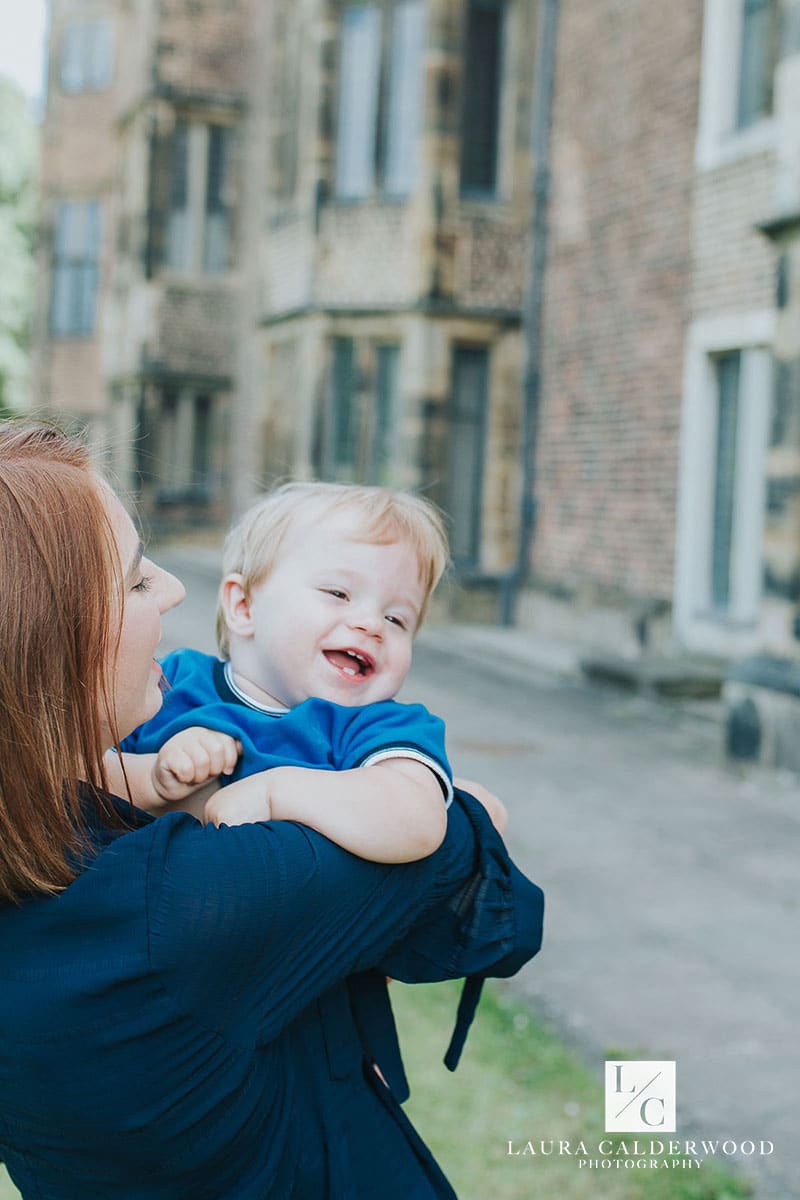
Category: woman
<point>185,1012</point>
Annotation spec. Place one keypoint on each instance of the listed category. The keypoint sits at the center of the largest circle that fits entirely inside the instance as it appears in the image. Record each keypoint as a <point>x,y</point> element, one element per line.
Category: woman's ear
<point>235,604</point>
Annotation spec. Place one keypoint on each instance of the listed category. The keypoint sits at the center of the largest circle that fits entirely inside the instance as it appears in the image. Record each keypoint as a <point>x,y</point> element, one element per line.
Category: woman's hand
<point>498,814</point>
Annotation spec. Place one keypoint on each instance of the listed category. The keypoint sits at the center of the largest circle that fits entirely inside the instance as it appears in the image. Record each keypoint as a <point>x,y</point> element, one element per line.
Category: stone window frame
<point>190,237</point>
<point>466,480</point>
<point>474,191</point>
<point>362,414</point>
<point>383,172</point>
<point>697,624</point>
<point>720,139</point>
<point>75,272</point>
<point>87,57</point>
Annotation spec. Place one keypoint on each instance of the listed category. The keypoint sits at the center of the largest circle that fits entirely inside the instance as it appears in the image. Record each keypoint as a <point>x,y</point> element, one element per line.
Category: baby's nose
<point>370,622</point>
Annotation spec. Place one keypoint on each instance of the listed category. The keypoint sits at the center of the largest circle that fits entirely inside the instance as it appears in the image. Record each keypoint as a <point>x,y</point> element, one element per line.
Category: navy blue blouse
<point>194,1017</point>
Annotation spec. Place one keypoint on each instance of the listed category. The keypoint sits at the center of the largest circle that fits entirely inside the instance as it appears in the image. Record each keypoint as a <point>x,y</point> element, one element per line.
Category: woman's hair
<point>58,564</point>
<point>383,515</point>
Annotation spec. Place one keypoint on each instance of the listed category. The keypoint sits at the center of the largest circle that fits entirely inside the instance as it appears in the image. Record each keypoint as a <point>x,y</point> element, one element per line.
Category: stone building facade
<point>141,289</point>
<point>395,255</point>
<point>307,266</point>
<point>737,572</point>
<point>294,238</point>
<point>667,450</point>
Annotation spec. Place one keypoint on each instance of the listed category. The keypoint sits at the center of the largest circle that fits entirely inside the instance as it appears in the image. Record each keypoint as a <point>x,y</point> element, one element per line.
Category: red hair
<point>60,570</point>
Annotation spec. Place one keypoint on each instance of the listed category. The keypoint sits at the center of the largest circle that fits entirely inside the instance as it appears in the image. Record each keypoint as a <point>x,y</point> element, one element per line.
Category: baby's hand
<point>190,759</point>
<point>243,802</point>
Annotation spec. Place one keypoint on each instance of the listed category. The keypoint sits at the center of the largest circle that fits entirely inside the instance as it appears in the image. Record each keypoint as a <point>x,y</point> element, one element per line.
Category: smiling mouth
<point>350,663</point>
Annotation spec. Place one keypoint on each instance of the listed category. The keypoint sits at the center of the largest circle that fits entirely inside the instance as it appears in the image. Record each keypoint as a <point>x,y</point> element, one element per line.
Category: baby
<point>324,589</point>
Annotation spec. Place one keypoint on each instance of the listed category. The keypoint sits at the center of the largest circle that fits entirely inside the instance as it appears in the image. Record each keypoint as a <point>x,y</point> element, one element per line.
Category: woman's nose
<point>171,591</point>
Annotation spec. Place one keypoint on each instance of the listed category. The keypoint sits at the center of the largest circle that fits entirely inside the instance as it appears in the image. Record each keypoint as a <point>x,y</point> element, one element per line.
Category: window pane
<point>63,228</point>
<point>86,55</point>
<point>201,449</point>
<point>467,424</point>
<point>216,243</point>
<point>91,229</point>
<point>71,60</point>
<point>180,166</point>
<point>178,251</point>
<point>725,477</point>
<point>405,97</point>
<point>178,245</point>
<point>86,276</point>
<point>481,110</point>
<point>343,417</point>
<point>385,413</point>
<point>76,254</point>
<point>61,305</point>
<point>358,101</point>
<point>99,38</point>
<point>215,179</point>
<point>757,61</point>
<point>217,225</point>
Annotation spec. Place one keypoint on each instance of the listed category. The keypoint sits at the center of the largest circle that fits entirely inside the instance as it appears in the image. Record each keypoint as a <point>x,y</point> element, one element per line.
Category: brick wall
<point>616,294</point>
<point>202,45</point>
<point>196,329</point>
<point>734,264</point>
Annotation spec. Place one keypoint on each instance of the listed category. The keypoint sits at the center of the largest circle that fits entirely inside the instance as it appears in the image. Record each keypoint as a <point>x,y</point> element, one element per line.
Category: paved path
<point>671,880</point>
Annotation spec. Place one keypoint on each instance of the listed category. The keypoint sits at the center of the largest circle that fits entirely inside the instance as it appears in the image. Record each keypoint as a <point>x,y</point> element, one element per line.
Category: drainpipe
<point>532,308</point>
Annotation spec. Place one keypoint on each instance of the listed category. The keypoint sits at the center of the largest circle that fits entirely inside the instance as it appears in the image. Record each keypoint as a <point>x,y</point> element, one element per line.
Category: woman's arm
<point>251,924</point>
<point>492,928</point>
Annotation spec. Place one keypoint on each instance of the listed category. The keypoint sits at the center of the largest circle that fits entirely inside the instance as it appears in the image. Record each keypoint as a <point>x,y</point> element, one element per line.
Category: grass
<point>516,1081</point>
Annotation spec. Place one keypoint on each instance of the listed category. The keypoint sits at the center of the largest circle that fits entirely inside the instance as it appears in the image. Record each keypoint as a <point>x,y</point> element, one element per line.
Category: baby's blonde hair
<point>254,543</point>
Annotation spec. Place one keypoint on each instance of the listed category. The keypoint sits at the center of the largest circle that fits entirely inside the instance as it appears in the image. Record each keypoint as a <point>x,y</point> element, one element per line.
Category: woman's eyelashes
<point>144,584</point>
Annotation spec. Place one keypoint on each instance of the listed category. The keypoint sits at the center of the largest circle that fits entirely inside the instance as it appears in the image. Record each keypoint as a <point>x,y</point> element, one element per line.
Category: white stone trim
<point>695,625</point>
<point>718,139</point>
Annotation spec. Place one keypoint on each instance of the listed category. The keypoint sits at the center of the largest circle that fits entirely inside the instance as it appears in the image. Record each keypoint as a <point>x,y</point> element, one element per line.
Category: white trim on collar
<point>272,710</point>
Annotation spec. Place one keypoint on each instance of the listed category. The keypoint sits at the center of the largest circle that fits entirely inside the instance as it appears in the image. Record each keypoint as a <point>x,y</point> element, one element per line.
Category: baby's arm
<point>172,779</point>
<point>392,812</point>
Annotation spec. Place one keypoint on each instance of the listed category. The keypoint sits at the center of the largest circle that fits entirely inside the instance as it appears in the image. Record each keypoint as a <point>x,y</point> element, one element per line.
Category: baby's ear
<point>235,604</point>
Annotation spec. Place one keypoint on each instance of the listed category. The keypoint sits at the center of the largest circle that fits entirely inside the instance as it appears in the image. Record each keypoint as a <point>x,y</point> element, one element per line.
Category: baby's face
<point>336,617</point>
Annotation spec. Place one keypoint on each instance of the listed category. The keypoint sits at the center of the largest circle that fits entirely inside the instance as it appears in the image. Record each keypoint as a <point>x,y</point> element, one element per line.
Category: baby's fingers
<point>224,754</point>
<point>185,767</point>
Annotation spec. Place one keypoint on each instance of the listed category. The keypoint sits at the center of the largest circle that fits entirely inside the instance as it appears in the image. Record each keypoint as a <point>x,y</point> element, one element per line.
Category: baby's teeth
<point>349,670</point>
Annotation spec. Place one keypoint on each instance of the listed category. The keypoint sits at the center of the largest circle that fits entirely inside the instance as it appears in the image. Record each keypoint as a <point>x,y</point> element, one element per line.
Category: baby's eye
<point>396,621</point>
<point>336,593</point>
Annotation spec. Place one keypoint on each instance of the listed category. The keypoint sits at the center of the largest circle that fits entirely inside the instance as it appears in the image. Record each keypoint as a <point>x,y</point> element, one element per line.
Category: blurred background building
<point>538,258</point>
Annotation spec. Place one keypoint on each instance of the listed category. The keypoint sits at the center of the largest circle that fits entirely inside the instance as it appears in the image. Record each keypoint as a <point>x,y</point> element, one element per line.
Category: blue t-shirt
<point>316,733</point>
